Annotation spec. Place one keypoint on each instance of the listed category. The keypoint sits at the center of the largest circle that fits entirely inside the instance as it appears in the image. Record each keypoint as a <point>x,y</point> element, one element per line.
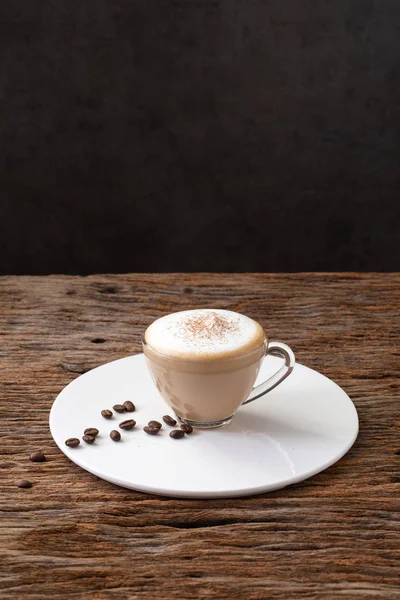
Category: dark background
<point>188,135</point>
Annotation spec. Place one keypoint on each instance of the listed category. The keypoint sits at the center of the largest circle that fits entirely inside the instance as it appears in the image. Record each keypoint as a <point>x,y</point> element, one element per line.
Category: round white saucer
<point>300,428</point>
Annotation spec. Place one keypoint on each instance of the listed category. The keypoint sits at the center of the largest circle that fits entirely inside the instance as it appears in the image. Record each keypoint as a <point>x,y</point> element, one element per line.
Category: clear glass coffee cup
<point>207,393</point>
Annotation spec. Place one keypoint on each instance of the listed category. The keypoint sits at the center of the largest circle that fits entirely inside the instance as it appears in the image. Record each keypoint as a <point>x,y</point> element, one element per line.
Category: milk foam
<point>203,334</point>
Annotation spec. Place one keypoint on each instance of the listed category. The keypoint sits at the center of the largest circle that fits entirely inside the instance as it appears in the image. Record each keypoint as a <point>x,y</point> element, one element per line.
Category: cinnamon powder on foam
<point>204,328</point>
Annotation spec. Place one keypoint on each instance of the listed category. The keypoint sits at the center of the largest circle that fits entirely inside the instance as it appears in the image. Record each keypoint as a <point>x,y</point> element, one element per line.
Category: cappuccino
<point>204,362</point>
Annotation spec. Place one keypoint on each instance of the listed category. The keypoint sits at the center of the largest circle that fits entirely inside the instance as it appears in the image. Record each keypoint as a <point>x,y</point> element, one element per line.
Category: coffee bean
<point>151,430</point>
<point>24,483</point>
<point>154,424</point>
<point>186,428</point>
<point>89,439</point>
<point>128,424</point>
<point>169,420</point>
<point>177,434</point>
<point>115,435</point>
<point>129,406</point>
<point>107,414</point>
<point>119,408</point>
<point>72,442</point>
<point>91,431</point>
<point>37,457</point>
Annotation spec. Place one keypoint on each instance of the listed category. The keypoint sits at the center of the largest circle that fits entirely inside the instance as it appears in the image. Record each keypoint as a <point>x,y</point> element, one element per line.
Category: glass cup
<point>207,394</point>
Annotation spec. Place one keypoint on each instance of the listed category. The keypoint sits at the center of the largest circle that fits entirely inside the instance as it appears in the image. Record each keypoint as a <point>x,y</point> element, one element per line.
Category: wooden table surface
<point>72,535</point>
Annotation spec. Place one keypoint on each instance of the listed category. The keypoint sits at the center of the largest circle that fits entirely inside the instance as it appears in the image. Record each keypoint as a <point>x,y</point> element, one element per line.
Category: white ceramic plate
<point>299,429</point>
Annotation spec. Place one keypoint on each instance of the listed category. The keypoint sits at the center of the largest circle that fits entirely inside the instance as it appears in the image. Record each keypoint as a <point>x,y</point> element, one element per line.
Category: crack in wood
<point>75,367</point>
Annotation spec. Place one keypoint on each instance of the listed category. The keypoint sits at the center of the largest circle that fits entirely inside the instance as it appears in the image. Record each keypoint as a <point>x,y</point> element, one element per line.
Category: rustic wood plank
<point>72,535</point>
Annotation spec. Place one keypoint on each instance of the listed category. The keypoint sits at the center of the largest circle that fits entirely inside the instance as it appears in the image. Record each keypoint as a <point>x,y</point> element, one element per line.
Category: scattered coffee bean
<point>72,442</point>
<point>107,414</point>
<point>177,434</point>
<point>128,424</point>
<point>186,428</point>
<point>24,483</point>
<point>154,424</point>
<point>89,439</point>
<point>151,430</point>
<point>119,408</point>
<point>129,406</point>
<point>169,420</point>
<point>91,431</point>
<point>115,435</point>
<point>37,457</point>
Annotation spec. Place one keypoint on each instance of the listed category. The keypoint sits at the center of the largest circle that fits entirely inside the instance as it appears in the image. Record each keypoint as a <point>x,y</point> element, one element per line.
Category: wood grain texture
<point>336,535</point>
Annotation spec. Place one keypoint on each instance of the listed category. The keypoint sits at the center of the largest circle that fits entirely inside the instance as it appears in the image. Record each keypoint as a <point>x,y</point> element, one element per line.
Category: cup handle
<point>276,349</point>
